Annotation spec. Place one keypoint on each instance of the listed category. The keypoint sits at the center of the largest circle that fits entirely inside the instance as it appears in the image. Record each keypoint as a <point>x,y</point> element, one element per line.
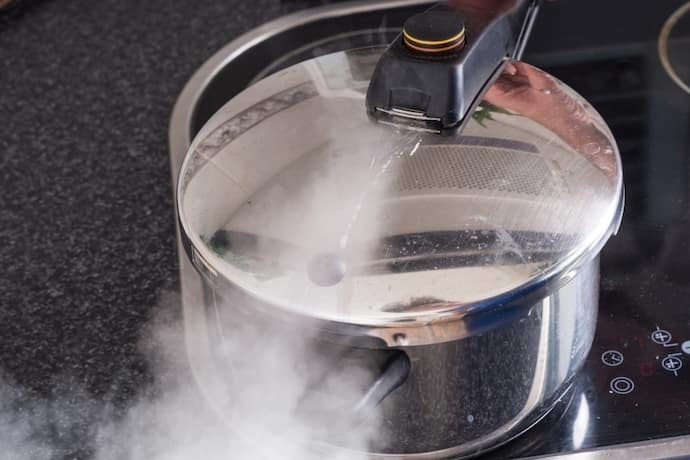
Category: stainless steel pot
<point>461,267</point>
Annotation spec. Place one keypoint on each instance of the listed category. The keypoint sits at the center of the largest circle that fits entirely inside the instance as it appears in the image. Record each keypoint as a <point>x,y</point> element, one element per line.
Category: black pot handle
<point>394,374</point>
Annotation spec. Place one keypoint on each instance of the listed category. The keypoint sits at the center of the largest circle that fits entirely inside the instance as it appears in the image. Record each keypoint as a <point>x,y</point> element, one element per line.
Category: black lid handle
<point>434,70</point>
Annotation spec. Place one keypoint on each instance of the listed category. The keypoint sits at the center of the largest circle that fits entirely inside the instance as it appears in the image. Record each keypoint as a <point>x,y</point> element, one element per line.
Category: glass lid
<point>293,195</point>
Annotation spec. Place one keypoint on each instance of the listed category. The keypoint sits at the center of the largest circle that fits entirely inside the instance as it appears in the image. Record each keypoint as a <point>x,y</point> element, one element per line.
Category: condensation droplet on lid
<point>470,418</point>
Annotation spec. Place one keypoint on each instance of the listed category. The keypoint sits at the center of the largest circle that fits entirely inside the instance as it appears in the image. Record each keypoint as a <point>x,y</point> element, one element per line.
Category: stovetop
<point>635,385</point>
<point>87,226</point>
<point>636,382</point>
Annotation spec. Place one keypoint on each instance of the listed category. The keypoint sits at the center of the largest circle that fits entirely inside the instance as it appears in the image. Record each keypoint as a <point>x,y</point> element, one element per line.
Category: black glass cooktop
<point>636,382</point>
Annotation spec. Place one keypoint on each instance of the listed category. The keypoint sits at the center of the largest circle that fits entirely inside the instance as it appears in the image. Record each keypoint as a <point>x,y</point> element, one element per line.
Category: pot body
<point>466,396</point>
<point>472,255</point>
<point>461,397</point>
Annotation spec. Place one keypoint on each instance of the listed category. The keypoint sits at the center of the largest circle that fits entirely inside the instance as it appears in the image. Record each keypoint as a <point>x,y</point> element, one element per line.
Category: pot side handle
<point>394,374</point>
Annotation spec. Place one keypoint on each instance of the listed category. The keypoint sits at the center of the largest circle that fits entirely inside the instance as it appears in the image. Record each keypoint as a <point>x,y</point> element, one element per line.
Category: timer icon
<point>612,358</point>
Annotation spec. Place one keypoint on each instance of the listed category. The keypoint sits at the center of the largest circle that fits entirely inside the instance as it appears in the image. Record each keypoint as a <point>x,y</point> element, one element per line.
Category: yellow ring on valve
<point>436,42</point>
<point>433,50</point>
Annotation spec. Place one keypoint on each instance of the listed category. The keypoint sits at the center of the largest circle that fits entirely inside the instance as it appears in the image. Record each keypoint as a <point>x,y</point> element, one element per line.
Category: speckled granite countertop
<point>87,240</point>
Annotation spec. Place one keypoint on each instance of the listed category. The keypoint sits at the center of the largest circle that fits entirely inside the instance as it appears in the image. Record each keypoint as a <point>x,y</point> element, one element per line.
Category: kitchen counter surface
<point>87,235</point>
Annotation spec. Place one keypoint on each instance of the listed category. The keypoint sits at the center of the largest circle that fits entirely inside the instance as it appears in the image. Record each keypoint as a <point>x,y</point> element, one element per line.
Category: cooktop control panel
<point>635,385</point>
<point>641,374</point>
<point>657,354</point>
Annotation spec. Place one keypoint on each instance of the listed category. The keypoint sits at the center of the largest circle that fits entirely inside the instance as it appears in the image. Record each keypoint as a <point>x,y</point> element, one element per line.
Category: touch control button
<point>672,363</point>
<point>612,358</point>
<point>685,346</point>
<point>661,336</point>
<point>622,385</point>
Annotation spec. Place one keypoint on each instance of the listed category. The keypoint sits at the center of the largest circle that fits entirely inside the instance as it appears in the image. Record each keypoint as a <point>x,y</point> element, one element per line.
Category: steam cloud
<point>284,397</point>
<point>177,423</point>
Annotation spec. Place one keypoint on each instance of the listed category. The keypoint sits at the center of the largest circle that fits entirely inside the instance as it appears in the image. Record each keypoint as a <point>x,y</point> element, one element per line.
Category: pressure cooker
<point>432,211</point>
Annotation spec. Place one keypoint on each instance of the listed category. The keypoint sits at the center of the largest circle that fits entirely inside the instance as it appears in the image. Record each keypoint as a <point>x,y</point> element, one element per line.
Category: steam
<point>283,393</point>
<point>49,427</point>
<point>272,409</point>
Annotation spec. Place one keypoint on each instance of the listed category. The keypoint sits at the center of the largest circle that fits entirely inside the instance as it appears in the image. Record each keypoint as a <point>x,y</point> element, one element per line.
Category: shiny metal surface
<point>508,378</point>
<point>666,448</point>
<point>479,392</point>
<point>430,228</point>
